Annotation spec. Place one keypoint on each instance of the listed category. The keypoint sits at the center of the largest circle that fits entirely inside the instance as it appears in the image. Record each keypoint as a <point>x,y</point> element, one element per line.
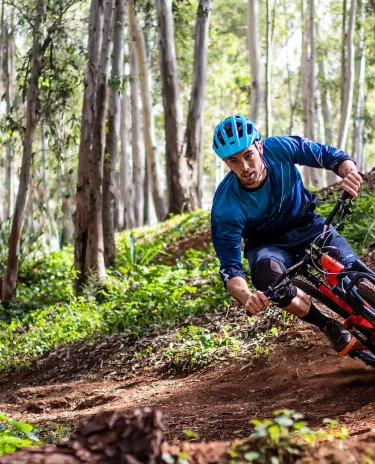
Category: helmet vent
<point>220,137</point>
<point>249,128</point>
<point>239,129</point>
<point>228,129</point>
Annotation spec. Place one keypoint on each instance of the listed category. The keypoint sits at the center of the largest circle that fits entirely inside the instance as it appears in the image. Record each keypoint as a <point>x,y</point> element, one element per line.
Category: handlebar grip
<point>345,196</point>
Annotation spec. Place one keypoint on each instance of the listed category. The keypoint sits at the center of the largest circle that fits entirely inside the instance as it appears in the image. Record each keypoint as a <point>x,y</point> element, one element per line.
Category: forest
<point>111,297</point>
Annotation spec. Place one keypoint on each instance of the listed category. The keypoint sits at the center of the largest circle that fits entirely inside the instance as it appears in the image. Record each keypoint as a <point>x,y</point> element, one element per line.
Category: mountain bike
<point>349,290</point>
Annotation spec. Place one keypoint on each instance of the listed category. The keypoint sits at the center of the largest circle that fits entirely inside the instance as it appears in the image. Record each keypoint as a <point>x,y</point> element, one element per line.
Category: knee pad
<point>266,273</point>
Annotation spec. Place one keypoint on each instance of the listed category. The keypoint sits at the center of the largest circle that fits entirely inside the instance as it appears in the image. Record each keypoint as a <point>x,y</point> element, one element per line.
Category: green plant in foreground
<point>194,346</point>
<point>281,439</point>
<point>15,435</point>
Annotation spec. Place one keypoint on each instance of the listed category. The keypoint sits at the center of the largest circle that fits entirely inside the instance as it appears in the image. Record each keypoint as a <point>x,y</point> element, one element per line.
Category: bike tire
<point>308,287</point>
<point>367,291</point>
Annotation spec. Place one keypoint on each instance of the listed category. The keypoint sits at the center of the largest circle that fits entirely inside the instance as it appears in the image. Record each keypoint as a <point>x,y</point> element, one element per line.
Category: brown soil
<point>301,373</point>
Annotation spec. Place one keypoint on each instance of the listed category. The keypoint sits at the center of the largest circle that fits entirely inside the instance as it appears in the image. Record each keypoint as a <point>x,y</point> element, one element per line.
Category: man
<point>263,200</point>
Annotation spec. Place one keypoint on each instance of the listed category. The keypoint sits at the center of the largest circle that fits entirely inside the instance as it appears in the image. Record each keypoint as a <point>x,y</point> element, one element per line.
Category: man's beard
<point>253,178</point>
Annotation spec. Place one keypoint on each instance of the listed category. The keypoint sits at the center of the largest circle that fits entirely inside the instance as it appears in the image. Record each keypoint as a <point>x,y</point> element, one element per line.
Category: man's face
<point>248,165</point>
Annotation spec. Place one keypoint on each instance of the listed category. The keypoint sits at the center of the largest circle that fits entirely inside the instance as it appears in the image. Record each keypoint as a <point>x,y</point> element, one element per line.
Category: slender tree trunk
<point>194,126</point>
<point>95,244</point>
<point>10,280</point>
<point>359,107</point>
<point>343,53</point>
<point>146,196</point>
<point>138,155</point>
<point>67,231</point>
<point>152,161</point>
<point>126,187</point>
<point>176,164</point>
<point>349,74</point>
<point>327,115</point>
<point>257,92</point>
<point>268,72</point>
<point>8,81</point>
<point>87,127</point>
<point>110,189</point>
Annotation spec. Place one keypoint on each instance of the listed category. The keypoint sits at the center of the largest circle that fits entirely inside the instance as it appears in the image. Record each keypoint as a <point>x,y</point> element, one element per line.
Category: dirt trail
<point>303,374</point>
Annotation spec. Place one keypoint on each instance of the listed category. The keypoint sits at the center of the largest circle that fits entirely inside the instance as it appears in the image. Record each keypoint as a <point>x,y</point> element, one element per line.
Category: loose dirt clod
<point>107,438</point>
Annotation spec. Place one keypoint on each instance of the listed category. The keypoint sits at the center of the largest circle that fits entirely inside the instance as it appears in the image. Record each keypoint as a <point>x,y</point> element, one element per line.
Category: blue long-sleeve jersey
<point>279,203</point>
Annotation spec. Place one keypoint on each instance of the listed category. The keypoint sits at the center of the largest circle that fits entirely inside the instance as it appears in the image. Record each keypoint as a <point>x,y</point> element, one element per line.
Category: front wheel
<point>308,287</point>
<point>365,355</point>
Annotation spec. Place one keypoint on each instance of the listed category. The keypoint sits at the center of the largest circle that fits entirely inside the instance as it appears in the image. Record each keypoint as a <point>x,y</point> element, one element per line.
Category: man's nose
<point>245,165</point>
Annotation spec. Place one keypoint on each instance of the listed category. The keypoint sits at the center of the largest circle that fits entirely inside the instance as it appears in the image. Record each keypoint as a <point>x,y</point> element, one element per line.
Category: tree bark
<point>137,151</point>
<point>95,244</point>
<point>10,280</point>
<point>87,123</point>
<point>268,71</point>
<point>176,164</point>
<point>349,79</point>
<point>359,107</point>
<point>110,190</point>
<point>125,177</point>
<point>8,81</point>
<point>152,161</point>
<point>194,125</point>
<point>327,115</point>
<point>257,92</point>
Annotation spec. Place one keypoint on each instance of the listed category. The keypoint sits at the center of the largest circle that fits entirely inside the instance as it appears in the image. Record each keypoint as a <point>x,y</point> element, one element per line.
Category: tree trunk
<point>152,161</point>
<point>268,71</point>
<point>256,101</point>
<point>87,123</point>
<point>327,115</point>
<point>176,164</point>
<point>359,109</point>
<point>194,125</point>
<point>343,53</point>
<point>10,280</point>
<point>67,230</point>
<point>95,244</point>
<point>125,177</point>
<point>349,79</point>
<point>110,190</point>
<point>138,154</point>
<point>8,81</point>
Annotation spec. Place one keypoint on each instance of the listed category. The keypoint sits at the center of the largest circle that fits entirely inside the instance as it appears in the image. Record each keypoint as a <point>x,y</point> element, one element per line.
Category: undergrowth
<point>142,291</point>
<point>282,439</point>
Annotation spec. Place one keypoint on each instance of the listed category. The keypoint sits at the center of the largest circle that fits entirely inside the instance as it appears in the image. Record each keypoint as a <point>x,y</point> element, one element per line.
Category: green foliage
<point>281,439</point>
<point>15,435</point>
<point>359,227</point>
<point>195,346</point>
<point>134,297</point>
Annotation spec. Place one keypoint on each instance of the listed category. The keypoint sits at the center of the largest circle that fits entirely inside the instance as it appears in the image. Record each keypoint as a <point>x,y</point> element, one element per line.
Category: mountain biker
<point>263,200</point>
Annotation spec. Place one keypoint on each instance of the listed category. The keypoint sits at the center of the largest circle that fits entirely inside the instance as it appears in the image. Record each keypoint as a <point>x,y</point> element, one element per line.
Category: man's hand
<point>255,303</point>
<point>352,178</point>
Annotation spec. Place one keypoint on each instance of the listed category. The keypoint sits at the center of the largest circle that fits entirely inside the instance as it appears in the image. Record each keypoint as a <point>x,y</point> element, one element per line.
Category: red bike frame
<point>333,268</point>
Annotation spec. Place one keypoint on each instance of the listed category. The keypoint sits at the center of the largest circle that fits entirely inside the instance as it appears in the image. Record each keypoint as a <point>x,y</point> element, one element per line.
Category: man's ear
<point>259,145</point>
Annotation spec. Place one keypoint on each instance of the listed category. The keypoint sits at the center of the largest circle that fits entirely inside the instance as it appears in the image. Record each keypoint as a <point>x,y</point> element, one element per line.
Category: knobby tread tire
<point>305,285</point>
<point>367,291</point>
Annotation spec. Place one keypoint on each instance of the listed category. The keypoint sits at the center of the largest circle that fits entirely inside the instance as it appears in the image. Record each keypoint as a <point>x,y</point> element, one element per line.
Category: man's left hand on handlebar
<point>352,178</point>
<point>255,303</point>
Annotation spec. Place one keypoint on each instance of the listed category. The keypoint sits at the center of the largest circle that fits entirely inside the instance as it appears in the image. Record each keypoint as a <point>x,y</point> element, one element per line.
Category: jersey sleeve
<point>227,243</point>
<point>316,155</point>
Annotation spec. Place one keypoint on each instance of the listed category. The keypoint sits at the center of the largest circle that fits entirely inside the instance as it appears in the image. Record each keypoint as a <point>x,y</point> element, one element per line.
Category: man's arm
<point>352,179</point>
<point>253,302</point>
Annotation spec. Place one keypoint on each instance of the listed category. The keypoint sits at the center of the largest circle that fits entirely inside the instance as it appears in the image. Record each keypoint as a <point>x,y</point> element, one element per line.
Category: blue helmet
<point>234,134</point>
